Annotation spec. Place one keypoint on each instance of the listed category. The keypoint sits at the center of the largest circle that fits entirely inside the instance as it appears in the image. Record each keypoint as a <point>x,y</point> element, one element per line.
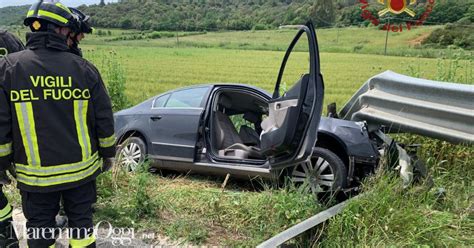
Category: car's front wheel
<point>324,173</point>
<point>132,153</point>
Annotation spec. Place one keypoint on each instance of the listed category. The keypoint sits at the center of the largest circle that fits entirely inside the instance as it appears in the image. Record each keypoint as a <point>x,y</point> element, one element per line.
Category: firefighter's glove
<point>108,163</point>
<point>4,179</point>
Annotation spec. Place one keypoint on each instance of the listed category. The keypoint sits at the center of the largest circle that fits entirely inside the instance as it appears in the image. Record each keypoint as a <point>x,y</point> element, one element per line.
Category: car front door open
<point>290,130</point>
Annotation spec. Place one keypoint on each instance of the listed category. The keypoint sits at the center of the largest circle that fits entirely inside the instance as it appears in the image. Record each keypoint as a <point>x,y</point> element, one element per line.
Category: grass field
<point>341,40</point>
<point>150,71</point>
<point>196,210</point>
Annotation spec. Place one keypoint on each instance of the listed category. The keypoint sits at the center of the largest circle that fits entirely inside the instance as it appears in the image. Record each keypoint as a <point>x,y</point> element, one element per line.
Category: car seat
<point>226,139</point>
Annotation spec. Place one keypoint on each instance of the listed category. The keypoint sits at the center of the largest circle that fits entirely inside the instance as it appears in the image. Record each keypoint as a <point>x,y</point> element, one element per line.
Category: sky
<point>71,3</point>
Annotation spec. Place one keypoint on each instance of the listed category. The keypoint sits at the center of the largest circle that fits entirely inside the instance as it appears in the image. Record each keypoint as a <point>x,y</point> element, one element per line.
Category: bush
<point>453,34</point>
<point>450,11</point>
<point>259,27</point>
<point>154,35</point>
<point>116,84</point>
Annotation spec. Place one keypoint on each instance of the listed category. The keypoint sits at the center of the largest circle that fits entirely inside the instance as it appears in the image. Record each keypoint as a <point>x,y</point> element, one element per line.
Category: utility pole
<point>386,36</point>
<point>177,38</point>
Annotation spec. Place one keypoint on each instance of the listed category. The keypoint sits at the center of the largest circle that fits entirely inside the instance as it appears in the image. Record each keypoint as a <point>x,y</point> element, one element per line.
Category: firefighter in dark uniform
<point>56,121</point>
<point>85,28</point>
<point>8,44</point>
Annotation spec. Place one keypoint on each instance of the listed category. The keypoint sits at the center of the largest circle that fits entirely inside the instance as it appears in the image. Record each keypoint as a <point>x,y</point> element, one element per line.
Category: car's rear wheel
<point>132,153</point>
<point>324,173</point>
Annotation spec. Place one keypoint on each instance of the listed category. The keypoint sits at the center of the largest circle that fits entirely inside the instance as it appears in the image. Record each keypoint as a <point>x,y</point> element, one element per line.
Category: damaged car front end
<point>391,103</point>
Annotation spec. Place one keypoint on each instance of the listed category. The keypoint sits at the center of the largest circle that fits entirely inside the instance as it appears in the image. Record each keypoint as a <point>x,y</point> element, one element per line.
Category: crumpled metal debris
<point>405,166</point>
<point>397,157</point>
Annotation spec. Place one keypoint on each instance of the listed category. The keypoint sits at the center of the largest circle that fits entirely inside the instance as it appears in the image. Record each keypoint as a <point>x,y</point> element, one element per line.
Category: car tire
<point>326,174</point>
<point>132,153</point>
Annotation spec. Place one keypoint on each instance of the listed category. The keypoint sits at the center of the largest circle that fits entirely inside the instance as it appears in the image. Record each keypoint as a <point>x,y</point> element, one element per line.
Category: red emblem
<point>397,7</point>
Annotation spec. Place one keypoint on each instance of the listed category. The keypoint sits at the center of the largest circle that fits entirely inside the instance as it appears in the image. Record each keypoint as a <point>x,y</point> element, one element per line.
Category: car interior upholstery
<point>251,136</point>
<point>226,140</point>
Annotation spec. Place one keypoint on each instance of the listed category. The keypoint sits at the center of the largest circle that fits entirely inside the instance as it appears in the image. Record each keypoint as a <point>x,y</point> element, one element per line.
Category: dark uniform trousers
<point>7,232</point>
<point>40,209</point>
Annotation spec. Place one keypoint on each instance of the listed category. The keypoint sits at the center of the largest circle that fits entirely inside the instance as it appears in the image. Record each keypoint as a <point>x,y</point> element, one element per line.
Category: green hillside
<point>13,15</point>
<point>210,15</point>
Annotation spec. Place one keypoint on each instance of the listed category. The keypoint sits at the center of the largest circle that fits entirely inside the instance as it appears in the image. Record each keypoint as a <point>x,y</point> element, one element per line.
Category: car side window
<point>189,98</point>
<point>160,101</point>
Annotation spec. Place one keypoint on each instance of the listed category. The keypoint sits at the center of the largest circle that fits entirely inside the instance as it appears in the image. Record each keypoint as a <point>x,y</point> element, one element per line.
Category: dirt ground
<point>418,39</point>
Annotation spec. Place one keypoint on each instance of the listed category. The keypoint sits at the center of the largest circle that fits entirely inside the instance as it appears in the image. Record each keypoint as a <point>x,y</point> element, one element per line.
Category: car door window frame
<point>314,65</point>
<point>167,95</point>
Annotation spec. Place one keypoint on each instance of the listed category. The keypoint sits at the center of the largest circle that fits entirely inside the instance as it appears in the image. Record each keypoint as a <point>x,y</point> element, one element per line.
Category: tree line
<point>210,15</point>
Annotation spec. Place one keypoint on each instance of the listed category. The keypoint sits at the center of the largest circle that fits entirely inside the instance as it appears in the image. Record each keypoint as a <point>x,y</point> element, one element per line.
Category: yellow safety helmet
<point>52,12</point>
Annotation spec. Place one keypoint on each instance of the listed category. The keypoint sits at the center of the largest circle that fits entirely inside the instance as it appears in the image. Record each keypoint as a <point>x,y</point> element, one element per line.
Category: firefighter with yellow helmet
<point>56,125</point>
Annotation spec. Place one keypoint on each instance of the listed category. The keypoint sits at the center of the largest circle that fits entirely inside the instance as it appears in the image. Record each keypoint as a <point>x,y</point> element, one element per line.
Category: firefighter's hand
<point>108,163</point>
<point>4,179</point>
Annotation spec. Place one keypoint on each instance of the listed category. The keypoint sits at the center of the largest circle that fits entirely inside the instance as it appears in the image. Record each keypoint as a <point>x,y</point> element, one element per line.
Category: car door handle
<point>155,118</point>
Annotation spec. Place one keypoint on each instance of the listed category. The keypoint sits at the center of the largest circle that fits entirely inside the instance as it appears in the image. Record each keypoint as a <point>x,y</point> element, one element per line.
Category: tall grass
<point>200,211</point>
<point>389,216</point>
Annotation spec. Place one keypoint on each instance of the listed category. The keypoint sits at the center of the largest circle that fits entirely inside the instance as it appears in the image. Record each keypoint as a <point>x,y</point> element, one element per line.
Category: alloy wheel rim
<point>317,174</point>
<point>131,156</point>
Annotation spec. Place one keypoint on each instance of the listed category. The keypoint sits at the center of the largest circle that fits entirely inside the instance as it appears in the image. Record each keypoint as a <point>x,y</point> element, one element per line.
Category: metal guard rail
<point>405,104</point>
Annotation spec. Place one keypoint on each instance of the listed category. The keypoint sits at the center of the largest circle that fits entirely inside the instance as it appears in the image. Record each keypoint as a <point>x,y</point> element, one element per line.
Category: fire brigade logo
<point>397,7</point>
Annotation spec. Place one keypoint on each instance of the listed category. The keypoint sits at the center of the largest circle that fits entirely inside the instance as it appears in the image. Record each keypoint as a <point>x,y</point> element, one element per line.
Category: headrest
<point>251,117</point>
<point>225,101</point>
